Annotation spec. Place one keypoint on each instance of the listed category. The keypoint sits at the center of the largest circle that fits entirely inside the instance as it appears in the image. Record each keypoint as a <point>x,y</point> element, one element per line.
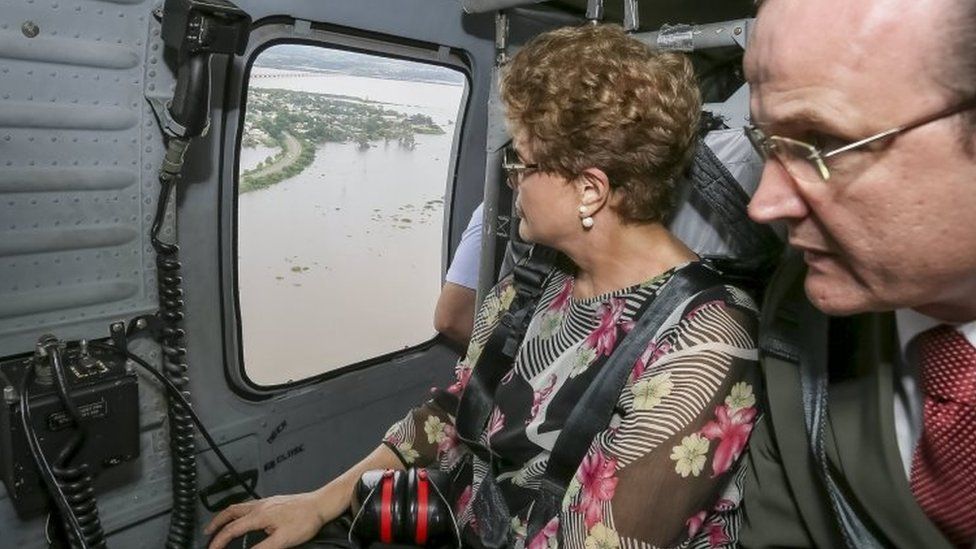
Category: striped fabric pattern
<point>667,470</point>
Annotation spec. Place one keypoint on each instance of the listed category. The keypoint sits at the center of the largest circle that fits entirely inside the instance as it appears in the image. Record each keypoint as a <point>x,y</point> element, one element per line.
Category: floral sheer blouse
<point>667,470</point>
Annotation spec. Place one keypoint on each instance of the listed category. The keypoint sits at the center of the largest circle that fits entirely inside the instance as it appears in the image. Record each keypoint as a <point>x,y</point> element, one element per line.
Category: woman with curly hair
<point>602,126</point>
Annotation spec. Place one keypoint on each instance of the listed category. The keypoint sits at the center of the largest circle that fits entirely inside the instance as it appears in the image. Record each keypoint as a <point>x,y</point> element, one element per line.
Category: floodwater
<point>342,262</point>
<point>251,156</point>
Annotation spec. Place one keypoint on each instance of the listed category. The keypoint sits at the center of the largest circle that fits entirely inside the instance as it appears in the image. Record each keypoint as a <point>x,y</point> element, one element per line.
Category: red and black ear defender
<point>404,507</point>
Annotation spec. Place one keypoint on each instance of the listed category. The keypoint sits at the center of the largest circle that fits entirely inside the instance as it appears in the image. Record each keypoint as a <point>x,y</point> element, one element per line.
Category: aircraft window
<point>344,162</point>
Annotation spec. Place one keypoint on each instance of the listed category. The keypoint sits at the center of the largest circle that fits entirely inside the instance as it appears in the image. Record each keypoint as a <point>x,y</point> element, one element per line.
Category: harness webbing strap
<point>499,352</point>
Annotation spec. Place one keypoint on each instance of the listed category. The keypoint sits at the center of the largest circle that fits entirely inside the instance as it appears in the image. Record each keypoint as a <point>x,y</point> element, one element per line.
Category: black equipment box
<point>106,394</point>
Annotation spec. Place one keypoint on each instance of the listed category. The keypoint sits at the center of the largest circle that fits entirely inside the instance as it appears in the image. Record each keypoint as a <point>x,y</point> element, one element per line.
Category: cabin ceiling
<point>654,13</point>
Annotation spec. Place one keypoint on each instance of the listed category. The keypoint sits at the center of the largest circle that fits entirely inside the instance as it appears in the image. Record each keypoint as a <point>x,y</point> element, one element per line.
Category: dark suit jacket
<point>785,502</point>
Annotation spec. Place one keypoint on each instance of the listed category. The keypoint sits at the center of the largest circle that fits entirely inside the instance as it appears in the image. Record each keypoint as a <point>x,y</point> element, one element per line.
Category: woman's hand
<point>294,519</point>
<point>288,520</point>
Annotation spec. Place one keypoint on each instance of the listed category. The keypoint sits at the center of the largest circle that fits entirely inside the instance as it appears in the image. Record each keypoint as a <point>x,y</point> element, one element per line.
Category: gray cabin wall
<point>79,155</point>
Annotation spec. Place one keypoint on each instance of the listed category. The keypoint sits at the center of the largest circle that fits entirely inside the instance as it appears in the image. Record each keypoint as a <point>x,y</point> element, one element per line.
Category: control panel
<point>101,432</point>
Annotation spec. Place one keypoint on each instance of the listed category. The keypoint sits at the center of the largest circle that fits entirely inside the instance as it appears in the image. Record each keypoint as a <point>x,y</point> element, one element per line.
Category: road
<point>292,151</point>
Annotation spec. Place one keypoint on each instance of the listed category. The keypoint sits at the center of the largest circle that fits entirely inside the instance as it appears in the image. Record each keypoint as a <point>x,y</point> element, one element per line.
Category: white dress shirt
<point>908,397</point>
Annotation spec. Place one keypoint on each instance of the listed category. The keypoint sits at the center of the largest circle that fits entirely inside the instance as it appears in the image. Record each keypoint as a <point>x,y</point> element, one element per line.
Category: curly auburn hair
<point>592,96</point>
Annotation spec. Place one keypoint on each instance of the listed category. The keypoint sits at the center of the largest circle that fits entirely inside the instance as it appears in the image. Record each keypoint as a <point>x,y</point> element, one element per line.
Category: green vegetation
<point>422,123</point>
<point>278,168</point>
<point>280,118</point>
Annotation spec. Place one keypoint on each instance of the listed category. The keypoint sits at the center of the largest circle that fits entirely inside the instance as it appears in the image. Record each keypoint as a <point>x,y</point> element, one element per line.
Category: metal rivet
<point>30,29</point>
<point>737,31</point>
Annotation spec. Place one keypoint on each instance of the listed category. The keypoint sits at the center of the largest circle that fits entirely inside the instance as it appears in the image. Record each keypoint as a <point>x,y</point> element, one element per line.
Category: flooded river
<point>346,256</point>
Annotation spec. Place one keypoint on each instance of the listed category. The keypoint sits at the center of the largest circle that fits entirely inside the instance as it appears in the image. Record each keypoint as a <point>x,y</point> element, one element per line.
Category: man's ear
<point>593,186</point>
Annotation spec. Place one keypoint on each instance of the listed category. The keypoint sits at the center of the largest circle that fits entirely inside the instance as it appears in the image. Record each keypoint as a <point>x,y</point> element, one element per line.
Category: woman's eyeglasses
<point>808,163</point>
<point>514,168</point>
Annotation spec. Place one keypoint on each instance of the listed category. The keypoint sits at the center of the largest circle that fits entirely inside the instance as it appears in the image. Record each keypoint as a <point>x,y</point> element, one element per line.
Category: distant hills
<point>315,58</point>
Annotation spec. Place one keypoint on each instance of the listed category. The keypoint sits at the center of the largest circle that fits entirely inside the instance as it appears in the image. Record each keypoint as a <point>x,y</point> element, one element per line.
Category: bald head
<point>928,43</point>
<point>846,45</point>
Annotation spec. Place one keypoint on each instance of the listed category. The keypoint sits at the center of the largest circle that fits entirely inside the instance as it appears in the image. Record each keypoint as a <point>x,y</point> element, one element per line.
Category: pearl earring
<point>586,221</point>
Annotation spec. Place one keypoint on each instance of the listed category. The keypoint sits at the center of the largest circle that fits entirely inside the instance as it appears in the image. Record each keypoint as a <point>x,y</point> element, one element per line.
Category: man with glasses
<point>866,114</point>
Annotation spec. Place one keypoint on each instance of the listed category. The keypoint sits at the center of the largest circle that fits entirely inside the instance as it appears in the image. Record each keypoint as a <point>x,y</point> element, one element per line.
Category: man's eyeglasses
<point>514,168</point>
<point>808,163</point>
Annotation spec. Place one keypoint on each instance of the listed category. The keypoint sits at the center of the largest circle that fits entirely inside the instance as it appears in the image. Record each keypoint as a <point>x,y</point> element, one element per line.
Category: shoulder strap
<point>595,409</point>
<point>529,277</point>
<point>783,338</point>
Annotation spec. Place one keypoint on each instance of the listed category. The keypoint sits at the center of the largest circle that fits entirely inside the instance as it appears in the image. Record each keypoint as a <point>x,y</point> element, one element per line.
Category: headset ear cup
<point>404,507</point>
<point>441,525</point>
<point>424,512</point>
<point>410,507</point>
<point>372,494</point>
<point>401,514</point>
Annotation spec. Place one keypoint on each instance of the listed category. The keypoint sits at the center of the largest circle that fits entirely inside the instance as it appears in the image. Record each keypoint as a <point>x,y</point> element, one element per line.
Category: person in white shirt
<point>866,114</point>
<point>454,313</point>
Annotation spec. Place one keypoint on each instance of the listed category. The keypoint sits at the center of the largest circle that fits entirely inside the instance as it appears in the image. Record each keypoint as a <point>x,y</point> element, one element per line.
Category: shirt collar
<point>910,323</point>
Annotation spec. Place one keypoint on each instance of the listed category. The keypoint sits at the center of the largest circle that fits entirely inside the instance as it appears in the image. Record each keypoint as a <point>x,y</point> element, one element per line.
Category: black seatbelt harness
<point>477,401</point>
<point>597,405</point>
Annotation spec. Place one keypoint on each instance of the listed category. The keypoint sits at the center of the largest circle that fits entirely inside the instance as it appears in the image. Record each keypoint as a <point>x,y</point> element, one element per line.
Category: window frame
<point>268,35</point>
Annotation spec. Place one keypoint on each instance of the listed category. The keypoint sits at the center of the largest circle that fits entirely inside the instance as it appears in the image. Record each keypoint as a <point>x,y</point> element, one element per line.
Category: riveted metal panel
<point>78,160</point>
<point>355,407</point>
<point>79,156</point>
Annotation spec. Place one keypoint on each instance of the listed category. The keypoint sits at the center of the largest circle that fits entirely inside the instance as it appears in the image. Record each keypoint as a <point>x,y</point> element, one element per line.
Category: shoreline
<point>296,155</point>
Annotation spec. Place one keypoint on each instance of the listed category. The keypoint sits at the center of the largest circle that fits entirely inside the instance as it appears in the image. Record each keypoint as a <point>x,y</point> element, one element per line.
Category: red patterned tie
<point>943,475</point>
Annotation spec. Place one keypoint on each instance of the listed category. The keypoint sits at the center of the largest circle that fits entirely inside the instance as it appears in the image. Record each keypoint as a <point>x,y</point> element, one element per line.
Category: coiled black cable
<point>76,483</point>
<point>73,496</point>
<point>47,472</point>
<point>74,479</point>
<point>173,345</point>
